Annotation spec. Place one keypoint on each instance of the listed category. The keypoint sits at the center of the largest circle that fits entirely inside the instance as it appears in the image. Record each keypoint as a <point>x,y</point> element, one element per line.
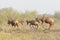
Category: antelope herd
<point>32,23</point>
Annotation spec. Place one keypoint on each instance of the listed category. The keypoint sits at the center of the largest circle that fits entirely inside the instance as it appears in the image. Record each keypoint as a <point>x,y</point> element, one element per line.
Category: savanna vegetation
<point>24,32</point>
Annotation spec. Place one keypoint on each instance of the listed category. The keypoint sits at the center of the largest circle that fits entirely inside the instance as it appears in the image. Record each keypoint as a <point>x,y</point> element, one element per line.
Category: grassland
<point>24,32</point>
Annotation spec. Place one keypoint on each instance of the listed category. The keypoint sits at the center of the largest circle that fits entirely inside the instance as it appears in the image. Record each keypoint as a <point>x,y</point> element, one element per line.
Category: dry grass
<point>24,32</point>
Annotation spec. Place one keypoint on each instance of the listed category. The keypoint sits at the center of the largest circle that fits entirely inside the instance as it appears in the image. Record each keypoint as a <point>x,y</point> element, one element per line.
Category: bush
<point>6,13</point>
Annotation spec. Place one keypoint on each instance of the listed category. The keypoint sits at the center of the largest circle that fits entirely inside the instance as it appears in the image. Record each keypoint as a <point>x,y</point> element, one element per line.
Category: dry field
<point>24,32</point>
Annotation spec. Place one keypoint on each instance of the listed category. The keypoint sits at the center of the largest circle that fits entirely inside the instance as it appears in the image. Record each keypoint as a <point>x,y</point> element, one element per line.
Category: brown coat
<point>14,21</point>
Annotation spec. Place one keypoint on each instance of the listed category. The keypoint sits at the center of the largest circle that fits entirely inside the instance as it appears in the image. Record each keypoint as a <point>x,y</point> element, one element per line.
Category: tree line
<point>6,13</point>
